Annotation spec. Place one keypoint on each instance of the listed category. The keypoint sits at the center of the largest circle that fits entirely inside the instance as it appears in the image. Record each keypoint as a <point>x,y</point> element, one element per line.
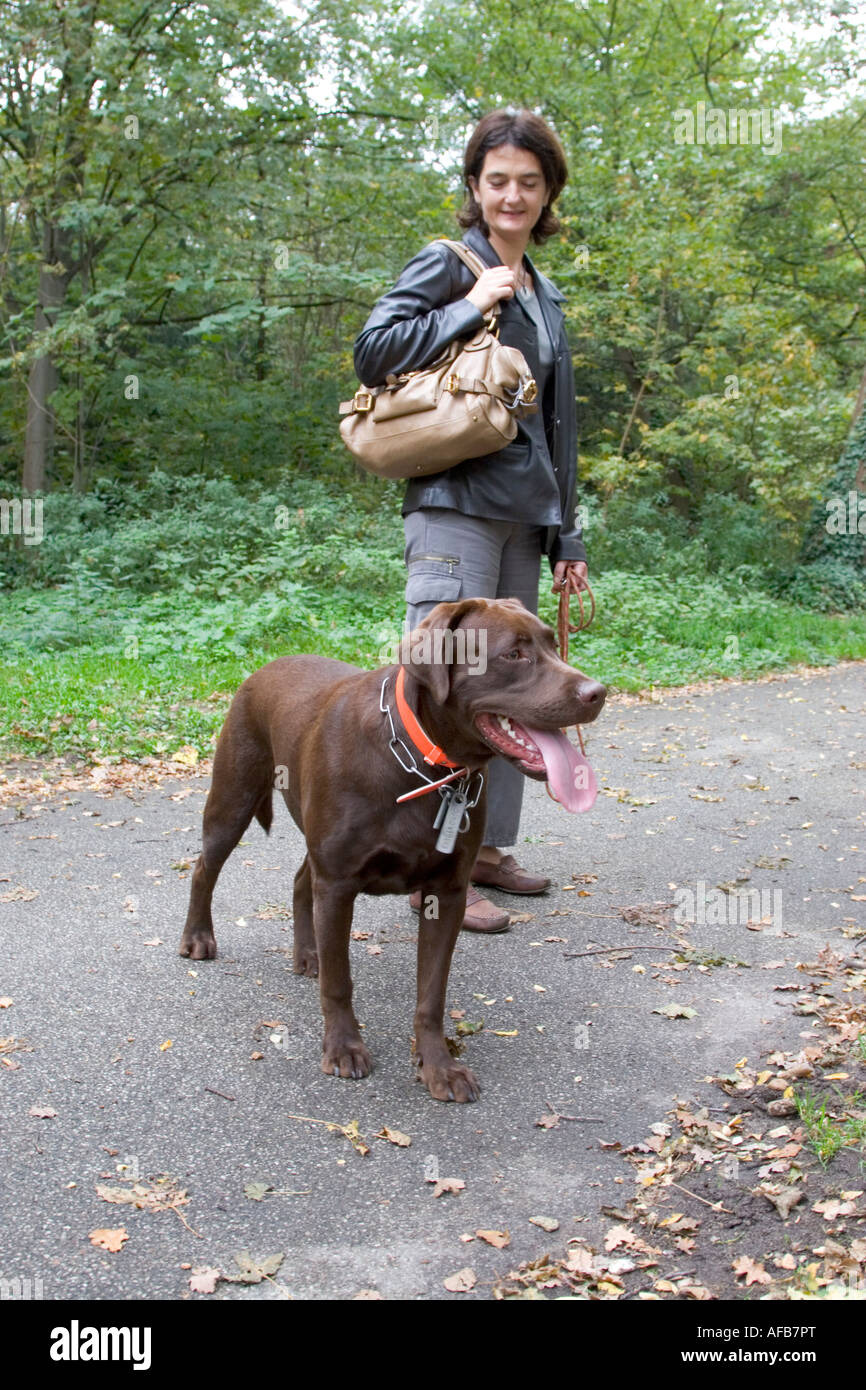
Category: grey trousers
<point>451,556</point>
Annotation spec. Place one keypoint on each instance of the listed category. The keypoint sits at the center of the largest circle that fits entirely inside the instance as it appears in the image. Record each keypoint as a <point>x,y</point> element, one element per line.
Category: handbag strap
<point>470,259</point>
<point>473,262</point>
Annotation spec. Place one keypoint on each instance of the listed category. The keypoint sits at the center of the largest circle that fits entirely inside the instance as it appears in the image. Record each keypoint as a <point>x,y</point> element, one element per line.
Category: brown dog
<point>333,739</point>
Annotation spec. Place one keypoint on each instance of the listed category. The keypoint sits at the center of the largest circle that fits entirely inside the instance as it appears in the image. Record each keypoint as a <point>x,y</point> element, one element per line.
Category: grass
<point>828,1134</point>
<point>103,672</point>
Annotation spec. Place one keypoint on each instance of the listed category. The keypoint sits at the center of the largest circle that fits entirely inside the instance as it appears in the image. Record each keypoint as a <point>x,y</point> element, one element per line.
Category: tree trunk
<point>42,380</point>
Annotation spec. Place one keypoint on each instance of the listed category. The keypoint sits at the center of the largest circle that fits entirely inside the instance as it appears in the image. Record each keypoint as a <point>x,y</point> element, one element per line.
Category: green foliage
<point>225,191</point>
<point>144,608</point>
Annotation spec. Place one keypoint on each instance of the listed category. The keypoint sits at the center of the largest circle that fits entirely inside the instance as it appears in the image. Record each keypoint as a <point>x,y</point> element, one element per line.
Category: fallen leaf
<point>252,1272</point>
<point>394,1136</point>
<point>462,1281</point>
<point>108,1239</point>
<point>447,1185</point>
<point>499,1239</point>
<point>751,1270</point>
<point>784,1200</point>
<point>547,1223</point>
<point>831,1208</point>
<point>204,1280</point>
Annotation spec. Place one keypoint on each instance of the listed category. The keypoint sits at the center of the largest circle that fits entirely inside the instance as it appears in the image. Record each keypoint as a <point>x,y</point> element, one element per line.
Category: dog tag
<point>445,801</point>
<point>452,823</point>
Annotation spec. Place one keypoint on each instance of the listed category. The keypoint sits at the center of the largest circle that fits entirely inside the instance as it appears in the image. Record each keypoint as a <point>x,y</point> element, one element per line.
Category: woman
<point>479,530</point>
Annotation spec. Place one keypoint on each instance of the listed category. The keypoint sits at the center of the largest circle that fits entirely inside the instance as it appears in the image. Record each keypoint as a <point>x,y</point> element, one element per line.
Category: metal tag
<point>452,823</point>
<point>446,795</point>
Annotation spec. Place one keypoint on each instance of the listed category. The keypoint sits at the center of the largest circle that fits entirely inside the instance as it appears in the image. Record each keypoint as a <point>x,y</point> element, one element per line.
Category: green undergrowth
<point>127,629</point>
<point>113,674</point>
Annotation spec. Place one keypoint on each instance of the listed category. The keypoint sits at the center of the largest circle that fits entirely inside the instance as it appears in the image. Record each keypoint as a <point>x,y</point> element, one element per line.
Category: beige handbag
<point>462,406</point>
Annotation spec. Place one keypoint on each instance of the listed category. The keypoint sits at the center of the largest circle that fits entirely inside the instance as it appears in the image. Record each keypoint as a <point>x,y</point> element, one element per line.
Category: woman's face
<point>512,192</point>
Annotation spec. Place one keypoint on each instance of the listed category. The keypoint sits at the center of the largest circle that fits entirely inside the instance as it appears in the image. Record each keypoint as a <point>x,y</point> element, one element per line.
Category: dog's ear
<point>428,652</point>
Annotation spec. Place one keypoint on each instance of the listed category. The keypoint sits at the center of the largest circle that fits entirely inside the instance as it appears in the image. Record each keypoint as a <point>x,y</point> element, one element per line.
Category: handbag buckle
<point>362,401</point>
<point>452,383</point>
<point>525,394</point>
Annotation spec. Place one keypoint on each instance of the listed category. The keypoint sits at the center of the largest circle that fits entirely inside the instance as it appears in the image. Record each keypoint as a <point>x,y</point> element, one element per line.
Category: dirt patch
<point>759,1193</point>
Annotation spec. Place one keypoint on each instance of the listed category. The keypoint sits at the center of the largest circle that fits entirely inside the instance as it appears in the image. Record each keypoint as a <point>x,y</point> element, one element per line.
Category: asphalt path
<point>149,1061</point>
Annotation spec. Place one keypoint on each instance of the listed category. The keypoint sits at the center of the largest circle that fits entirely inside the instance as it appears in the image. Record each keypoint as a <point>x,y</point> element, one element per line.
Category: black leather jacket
<point>531,480</point>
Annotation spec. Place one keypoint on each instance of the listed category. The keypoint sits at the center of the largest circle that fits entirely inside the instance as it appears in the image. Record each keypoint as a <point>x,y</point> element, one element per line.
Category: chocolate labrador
<point>383,772</point>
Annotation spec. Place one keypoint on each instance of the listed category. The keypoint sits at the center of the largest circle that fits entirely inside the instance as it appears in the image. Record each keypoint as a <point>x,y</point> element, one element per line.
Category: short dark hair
<point>528,132</point>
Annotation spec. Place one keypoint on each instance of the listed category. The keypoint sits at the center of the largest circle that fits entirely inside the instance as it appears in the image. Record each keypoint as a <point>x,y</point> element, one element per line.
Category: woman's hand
<point>498,282</point>
<point>569,576</point>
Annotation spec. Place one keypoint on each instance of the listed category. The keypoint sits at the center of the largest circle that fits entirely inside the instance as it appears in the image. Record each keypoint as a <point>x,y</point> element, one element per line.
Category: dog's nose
<point>592,694</point>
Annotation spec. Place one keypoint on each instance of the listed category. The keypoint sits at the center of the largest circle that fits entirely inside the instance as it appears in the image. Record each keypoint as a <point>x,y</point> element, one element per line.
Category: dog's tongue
<point>569,775</point>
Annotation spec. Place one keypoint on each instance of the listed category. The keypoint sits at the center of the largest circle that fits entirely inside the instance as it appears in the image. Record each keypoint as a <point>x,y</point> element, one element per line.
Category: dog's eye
<point>514,655</point>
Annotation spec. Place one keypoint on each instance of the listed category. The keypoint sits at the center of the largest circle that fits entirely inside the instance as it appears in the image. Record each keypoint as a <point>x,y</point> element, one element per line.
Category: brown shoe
<point>508,876</point>
<point>481,914</point>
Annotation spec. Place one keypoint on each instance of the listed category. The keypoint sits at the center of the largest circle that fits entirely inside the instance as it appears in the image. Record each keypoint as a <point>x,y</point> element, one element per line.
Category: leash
<point>564,626</point>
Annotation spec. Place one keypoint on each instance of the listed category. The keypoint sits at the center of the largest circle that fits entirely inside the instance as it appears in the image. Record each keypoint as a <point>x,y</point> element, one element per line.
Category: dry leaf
<point>784,1199</point>
<point>753,1271</point>
<point>547,1223</point>
<point>204,1280</point>
<point>109,1240</point>
<point>499,1239</point>
<point>676,1011</point>
<point>252,1272</point>
<point>394,1136</point>
<point>831,1208</point>
<point>462,1281</point>
<point>447,1185</point>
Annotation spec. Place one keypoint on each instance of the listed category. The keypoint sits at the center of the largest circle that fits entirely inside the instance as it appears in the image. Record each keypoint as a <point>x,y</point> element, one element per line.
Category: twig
<point>197,1234</point>
<point>215,1092</point>
<point>606,950</point>
<point>583,1119</point>
<point>716,1206</point>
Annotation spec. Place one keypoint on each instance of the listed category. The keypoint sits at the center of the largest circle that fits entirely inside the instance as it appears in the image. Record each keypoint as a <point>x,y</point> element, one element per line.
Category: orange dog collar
<point>429,750</point>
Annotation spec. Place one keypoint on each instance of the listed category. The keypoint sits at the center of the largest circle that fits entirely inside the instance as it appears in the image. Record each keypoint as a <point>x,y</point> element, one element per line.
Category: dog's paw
<point>199,945</point>
<point>451,1081</point>
<point>348,1059</point>
<point>306,963</point>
